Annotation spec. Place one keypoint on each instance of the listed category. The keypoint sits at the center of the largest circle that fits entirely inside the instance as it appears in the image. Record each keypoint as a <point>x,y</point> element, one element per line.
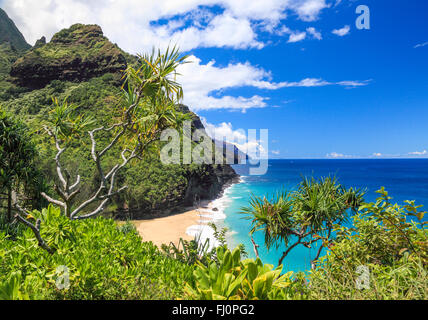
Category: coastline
<point>188,223</point>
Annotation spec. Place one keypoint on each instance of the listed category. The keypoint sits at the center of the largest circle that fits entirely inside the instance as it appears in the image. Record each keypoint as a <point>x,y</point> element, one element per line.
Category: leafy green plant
<point>303,217</point>
<point>231,279</point>
<point>390,240</point>
<point>103,262</point>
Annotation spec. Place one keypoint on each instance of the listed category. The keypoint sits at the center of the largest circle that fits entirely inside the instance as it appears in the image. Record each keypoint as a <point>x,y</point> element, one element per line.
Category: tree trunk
<point>287,251</point>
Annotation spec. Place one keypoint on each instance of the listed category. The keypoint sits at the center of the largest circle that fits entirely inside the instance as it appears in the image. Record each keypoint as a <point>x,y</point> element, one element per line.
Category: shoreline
<point>187,223</point>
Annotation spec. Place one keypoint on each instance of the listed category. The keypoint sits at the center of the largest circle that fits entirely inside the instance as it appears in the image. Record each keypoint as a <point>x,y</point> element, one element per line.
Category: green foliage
<point>306,215</point>
<point>188,251</point>
<point>387,239</point>
<point>10,289</point>
<point>152,185</point>
<point>104,262</point>
<point>12,229</point>
<point>232,279</point>
<point>18,166</point>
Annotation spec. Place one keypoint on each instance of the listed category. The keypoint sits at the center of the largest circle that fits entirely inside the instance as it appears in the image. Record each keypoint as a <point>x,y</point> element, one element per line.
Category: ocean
<point>404,179</point>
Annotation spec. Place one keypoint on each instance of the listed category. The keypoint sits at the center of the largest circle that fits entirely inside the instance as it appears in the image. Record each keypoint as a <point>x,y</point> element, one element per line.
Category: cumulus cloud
<point>238,137</point>
<point>309,10</point>
<point>315,34</point>
<point>137,25</point>
<point>296,37</point>
<point>420,45</point>
<point>204,85</point>
<point>342,32</point>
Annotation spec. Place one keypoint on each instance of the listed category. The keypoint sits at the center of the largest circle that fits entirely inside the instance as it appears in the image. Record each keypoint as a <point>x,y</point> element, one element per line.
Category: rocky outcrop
<point>10,33</point>
<point>210,185</point>
<point>75,54</point>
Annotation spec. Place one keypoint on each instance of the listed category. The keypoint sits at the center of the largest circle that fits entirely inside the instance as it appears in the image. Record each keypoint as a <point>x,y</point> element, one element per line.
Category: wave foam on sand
<point>212,212</point>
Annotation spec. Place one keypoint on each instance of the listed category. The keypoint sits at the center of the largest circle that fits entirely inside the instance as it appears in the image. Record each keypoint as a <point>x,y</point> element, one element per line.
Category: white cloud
<point>136,25</point>
<point>342,32</point>
<point>204,85</point>
<point>276,152</point>
<point>296,37</point>
<point>309,10</point>
<point>352,84</point>
<point>316,34</point>
<point>421,45</point>
<point>377,155</point>
<point>338,2</point>
<point>335,155</point>
<point>418,153</point>
<point>238,137</point>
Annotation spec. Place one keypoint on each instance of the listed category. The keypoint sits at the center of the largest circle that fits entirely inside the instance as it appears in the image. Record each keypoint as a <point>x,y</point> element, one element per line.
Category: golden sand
<point>169,229</point>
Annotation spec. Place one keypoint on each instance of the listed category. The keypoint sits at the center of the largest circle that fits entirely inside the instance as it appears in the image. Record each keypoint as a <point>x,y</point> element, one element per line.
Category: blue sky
<point>279,66</point>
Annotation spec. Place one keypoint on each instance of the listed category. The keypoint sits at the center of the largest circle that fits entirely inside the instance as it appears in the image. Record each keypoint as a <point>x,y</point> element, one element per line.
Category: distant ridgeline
<point>9,33</point>
<point>82,65</point>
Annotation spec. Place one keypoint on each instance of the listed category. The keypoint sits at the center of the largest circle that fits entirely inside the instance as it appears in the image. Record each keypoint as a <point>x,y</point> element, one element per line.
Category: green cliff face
<point>75,54</point>
<point>9,33</point>
<point>82,65</point>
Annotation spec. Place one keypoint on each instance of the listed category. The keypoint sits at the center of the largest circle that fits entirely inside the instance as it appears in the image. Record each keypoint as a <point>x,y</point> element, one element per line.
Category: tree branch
<point>34,227</point>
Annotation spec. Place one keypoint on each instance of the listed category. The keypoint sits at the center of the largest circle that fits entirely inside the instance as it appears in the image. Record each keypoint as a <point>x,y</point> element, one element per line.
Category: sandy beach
<point>165,230</point>
<point>187,224</point>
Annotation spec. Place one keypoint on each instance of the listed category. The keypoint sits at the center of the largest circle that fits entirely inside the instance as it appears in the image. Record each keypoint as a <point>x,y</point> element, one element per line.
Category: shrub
<point>388,241</point>
<point>104,262</point>
<point>233,279</point>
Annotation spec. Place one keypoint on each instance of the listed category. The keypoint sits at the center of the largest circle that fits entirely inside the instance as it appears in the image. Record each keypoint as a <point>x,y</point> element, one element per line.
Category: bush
<point>104,262</point>
<point>389,242</point>
<point>233,279</point>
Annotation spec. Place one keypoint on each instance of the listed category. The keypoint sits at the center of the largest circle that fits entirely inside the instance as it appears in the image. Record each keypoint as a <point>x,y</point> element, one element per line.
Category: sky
<point>299,68</point>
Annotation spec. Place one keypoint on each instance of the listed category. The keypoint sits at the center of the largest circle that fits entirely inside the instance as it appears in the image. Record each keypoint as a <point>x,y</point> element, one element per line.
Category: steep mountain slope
<point>78,53</point>
<point>10,33</point>
<point>82,65</point>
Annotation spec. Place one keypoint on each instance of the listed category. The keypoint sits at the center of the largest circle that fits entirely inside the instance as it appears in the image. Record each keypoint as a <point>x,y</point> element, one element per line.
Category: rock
<point>215,209</point>
<point>40,43</point>
<point>75,54</point>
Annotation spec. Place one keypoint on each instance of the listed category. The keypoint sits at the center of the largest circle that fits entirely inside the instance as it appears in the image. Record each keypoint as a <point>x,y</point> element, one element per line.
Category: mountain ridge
<point>10,33</point>
<point>54,69</point>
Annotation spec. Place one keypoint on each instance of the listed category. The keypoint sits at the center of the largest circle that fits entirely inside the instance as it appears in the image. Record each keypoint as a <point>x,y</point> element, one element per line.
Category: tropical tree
<point>148,106</point>
<point>17,155</point>
<point>303,217</point>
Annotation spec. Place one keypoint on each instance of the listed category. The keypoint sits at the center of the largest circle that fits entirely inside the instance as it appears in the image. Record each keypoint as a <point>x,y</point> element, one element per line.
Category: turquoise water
<point>404,179</point>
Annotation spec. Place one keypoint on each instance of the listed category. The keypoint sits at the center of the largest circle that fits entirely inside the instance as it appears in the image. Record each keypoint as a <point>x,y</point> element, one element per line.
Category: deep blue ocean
<point>404,179</point>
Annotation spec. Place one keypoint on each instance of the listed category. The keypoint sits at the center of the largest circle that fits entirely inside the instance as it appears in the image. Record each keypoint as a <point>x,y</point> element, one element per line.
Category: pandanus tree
<point>17,160</point>
<point>303,217</point>
<point>149,105</point>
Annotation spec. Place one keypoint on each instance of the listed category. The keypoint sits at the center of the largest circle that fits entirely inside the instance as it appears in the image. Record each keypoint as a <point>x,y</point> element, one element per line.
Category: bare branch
<point>76,183</point>
<point>100,208</point>
<point>34,227</point>
<point>51,200</point>
<point>255,247</point>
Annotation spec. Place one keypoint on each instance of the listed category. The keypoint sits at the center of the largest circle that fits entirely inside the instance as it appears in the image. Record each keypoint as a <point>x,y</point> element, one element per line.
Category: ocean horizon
<point>404,179</point>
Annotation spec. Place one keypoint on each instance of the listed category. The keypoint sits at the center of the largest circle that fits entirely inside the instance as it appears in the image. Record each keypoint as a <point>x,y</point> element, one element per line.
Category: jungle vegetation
<point>71,151</point>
